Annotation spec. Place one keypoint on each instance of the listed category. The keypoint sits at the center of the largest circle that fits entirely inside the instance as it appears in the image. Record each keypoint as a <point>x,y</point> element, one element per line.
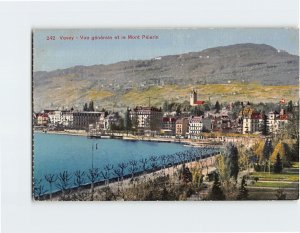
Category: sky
<point>51,52</point>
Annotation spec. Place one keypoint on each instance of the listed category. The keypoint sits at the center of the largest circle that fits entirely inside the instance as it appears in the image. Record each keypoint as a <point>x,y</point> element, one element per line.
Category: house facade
<point>148,118</point>
<point>195,126</point>
<point>182,126</point>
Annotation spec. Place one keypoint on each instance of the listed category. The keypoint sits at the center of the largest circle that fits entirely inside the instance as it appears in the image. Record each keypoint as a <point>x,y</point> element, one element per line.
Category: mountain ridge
<point>247,62</point>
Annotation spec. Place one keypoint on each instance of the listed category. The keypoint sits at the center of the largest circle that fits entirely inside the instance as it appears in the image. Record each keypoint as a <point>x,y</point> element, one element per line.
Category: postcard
<point>169,114</point>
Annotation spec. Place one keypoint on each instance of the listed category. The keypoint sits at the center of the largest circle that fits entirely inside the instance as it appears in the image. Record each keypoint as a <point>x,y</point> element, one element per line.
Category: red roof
<point>42,114</point>
<point>256,115</point>
<point>199,102</point>
<point>283,117</point>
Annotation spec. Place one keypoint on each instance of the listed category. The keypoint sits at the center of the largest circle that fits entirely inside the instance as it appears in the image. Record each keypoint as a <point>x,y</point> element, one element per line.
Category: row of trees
<point>65,180</point>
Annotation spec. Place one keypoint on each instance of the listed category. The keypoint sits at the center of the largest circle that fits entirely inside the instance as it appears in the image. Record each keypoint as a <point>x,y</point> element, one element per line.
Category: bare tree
<point>144,164</point>
<point>118,173</point>
<point>93,175</point>
<point>133,167</point>
<point>39,189</point>
<point>79,178</point>
<point>163,159</point>
<point>51,178</point>
<point>64,181</point>
<point>122,166</point>
<point>106,174</point>
<point>153,160</point>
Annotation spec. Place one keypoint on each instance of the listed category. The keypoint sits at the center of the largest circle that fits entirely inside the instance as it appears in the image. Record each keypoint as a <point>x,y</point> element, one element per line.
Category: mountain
<point>108,84</point>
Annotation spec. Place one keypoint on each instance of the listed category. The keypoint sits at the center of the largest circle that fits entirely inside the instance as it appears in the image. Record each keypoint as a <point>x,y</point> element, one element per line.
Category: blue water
<point>57,153</point>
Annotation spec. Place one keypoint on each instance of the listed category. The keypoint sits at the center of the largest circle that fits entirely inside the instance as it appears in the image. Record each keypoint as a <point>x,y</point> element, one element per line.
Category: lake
<point>57,153</point>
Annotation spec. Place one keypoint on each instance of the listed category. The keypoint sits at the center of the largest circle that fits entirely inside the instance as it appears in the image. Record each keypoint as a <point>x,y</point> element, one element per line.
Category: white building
<point>254,123</point>
<point>54,116</point>
<point>195,127</point>
<point>276,122</point>
<point>67,118</point>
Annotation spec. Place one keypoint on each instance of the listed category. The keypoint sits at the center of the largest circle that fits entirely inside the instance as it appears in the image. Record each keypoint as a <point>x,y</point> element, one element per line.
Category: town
<point>186,121</point>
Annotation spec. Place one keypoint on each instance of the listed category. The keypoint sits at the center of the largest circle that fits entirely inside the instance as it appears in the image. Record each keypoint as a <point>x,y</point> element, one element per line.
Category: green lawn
<point>275,185</point>
<point>265,176</point>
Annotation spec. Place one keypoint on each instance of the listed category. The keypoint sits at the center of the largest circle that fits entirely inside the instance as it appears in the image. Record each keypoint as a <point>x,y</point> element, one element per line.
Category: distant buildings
<point>260,123</point>
<point>82,120</point>
<point>152,120</point>
<point>148,118</point>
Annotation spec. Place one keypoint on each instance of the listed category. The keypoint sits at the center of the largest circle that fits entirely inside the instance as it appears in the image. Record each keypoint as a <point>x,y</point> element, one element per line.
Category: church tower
<point>193,98</point>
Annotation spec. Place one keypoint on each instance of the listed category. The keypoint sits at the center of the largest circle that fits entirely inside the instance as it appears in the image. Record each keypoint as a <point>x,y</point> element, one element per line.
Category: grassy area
<point>264,176</point>
<point>94,94</point>
<point>295,165</point>
<point>275,185</point>
<point>224,92</point>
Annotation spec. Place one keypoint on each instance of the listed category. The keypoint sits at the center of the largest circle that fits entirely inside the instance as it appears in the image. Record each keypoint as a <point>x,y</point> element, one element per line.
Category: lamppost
<point>96,148</point>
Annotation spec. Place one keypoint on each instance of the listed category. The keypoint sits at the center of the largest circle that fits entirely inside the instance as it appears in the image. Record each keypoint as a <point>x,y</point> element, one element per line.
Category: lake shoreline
<point>186,142</point>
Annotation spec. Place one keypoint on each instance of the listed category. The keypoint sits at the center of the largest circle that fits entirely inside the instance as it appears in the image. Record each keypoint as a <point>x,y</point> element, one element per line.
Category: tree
<point>153,160</point>
<point>185,174</point>
<point>143,162</point>
<point>232,160</point>
<point>118,173</point>
<point>85,107</point>
<point>166,106</point>
<point>50,178</point>
<point>223,170</point>
<point>93,175</point>
<point>197,177</point>
<point>127,121</point>
<point>133,167</point>
<point>107,169</point>
<point>91,106</point>
<point>243,191</point>
<point>64,181</point>
<point>216,192</point>
<point>135,122</point>
<point>267,151</point>
<point>217,107</point>
<point>39,189</point>
<point>290,107</point>
<point>278,164</point>
<point>122,166</point>
<point>79,178</point>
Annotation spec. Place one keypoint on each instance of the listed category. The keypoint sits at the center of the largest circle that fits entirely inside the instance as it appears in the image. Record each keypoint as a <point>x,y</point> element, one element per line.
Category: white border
<point>20,214</point>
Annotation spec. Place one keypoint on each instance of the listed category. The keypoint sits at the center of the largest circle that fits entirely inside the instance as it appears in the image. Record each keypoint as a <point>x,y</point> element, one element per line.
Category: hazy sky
<point>59,54</point>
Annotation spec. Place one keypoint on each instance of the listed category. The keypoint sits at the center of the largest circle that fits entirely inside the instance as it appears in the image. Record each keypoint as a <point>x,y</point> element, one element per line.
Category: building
<point>258,122</point>
<point>276,122</point>
<point>193,99</point>
<point>82,120</point>
<point>54,116</point>
<point>146,118</point>
<point>245,115</point>
<point>182,126</point>
<point>42,119</point>
<point>195,126</point>
<point>169,125</point>
<point>67,118</point>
